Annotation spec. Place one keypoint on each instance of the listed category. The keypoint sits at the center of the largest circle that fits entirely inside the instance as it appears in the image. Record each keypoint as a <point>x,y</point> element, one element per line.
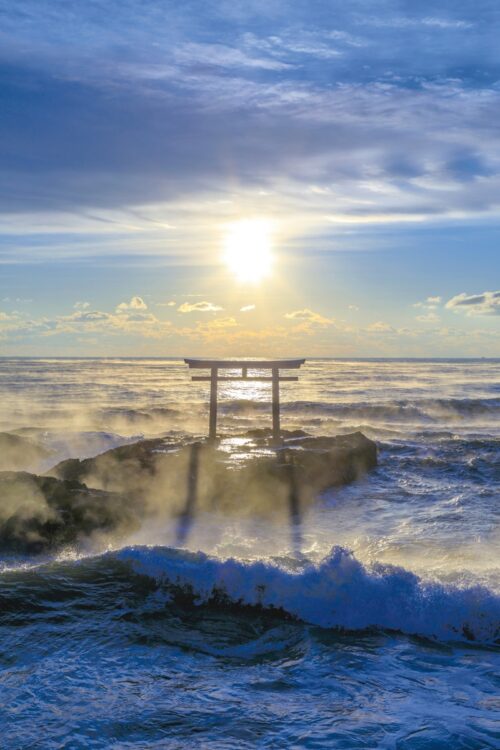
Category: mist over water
<point>345,627</point>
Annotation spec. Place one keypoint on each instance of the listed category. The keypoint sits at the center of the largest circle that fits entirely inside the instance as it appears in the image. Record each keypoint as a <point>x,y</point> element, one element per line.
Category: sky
<point>250,178</point>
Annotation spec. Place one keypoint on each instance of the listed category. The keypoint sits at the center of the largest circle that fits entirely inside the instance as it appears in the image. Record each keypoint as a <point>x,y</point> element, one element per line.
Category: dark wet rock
<point>123,469</point>
<point>40,513</point>
<point>164,478</point>
<point>245,473</point>
<point>265,434</point>
<point>20,453</point>
<point>292,476</point>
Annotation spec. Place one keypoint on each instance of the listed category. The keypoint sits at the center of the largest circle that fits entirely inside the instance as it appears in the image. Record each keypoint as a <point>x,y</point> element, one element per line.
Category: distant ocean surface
<point>375,624</point>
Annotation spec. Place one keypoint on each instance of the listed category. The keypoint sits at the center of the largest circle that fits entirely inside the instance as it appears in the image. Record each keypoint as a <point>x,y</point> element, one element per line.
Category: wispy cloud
<point>308,316</point>
<point>212,330</point>
<point>429,306</point>
<point>188,307</point>
<point>190,99</point>
<point>136,303</point>
<point>430,317</point>
<point>295,43</point>
<point>380,327</point>
<point>487,303</point>
<point>415,22</point>
<point>247,308</point>
<point>7,317</point>
<point>221,55</point>
<point>123,322</point>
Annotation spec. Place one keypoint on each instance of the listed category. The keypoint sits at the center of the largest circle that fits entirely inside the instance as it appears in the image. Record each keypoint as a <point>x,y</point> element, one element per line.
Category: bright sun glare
<point>247,249</point>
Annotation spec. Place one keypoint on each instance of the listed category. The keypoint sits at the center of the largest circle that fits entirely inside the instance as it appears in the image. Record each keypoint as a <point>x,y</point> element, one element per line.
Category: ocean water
<point>372,621</point>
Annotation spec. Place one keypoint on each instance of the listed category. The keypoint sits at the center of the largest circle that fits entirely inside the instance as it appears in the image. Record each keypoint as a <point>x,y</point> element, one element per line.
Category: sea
<point>372,621</point>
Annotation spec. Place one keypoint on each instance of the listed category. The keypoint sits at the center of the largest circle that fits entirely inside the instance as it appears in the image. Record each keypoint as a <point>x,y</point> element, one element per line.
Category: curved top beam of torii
<point>251,364</point>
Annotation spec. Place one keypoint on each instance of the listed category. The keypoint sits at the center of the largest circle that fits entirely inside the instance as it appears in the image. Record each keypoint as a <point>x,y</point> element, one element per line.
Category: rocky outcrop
<point>123,469</point>
<point>38,514</point>
<point>115,491</point>
<point>237,474</point>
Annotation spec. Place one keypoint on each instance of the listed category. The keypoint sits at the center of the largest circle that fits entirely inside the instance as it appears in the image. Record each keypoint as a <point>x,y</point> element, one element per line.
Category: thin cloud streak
<point>203,307</point>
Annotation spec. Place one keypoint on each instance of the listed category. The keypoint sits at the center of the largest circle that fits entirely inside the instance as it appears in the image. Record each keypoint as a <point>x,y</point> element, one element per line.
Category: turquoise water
<point>373,625</point>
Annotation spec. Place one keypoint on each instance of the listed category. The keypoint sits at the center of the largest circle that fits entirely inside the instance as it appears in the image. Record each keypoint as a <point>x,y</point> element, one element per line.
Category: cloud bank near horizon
<point>280,335</point>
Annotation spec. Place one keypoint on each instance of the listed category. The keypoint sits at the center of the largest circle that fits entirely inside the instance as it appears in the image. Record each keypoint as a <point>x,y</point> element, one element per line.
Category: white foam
<point>338,592</point>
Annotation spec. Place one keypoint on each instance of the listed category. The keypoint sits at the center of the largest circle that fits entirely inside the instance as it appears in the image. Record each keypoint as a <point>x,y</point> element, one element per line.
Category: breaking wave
<point>339,592</point>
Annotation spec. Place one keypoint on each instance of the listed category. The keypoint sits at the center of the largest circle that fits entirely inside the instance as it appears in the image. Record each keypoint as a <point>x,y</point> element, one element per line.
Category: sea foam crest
<point>338,592</point>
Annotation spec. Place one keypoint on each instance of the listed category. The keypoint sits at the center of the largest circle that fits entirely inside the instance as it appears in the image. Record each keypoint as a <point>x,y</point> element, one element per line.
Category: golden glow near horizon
<point>247,249</point>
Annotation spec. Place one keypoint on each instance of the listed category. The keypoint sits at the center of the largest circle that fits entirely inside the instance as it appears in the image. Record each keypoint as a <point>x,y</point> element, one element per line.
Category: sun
<point>247,249</point>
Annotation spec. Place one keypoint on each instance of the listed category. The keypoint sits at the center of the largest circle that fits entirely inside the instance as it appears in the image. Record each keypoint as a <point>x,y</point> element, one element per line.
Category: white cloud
<point>247,308</point>
<point>219,324</point>
<point>212,330</point>
<point>429,304</point>
<point>430,317</point>
<point>305,43</point>
<point>353,307</point>
<point>308,316</point>
<point>81,305</point>
<point>86,316</point>
<point>405,22</point>
<point>136,303</point>
<point>123,321</point>
<point>487,303</point>
<point>188,307</point>
<point>223,56</point>
<point>380,327</point>
<point>5,317</point>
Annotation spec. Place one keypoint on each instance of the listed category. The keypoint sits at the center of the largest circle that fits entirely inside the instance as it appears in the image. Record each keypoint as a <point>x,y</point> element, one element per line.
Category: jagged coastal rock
<point>240,474</point>
<point>116,490</point>
<point>38,514</point>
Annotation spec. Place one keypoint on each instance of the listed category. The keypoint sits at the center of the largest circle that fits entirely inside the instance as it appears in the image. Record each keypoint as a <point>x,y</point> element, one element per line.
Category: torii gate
<point>244,365</point>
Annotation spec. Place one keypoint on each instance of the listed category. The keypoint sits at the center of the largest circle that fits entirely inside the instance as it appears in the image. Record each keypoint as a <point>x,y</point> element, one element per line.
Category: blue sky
<point>134,135</point>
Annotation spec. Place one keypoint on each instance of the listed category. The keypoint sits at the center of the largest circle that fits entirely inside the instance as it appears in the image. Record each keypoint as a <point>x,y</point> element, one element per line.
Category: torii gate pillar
<point>276,404</point>
<point>212,426</point>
